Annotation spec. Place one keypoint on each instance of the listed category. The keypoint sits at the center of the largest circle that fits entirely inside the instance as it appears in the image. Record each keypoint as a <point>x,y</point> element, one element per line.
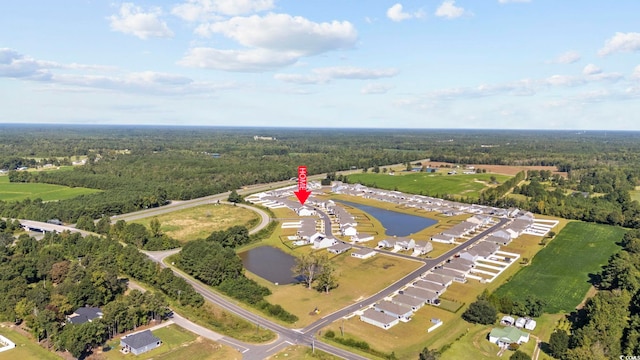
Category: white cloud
<point>371,89</point>
<point>283,32</point>
<point>591,69</point>
<point>397,14</point>
<point>449,10</point>
<point>203,10</point>
<point>563,80</point>
<point>568,57</point>
<point>254,60</point>
<point>636,72</point>
<point>133,20</point>
<point>621,42</point>
<point>348,72</point>
<point>324,75</point>
<point>19,66</point>
<point>513,1</point>
<point>270,41</point>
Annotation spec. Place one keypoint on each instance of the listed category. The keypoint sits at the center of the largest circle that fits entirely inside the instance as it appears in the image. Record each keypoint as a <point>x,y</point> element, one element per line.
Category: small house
<point>503,337</point>
<point>402,312</point>
<point>363,253</point>
<point>139,343</point>
<point>339,248</point>
<point>324,242</point>
<point>85,314</point>
<point>379,319</point>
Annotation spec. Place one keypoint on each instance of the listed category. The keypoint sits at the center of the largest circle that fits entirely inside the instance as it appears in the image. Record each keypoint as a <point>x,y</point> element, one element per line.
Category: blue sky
<point>513,64</point>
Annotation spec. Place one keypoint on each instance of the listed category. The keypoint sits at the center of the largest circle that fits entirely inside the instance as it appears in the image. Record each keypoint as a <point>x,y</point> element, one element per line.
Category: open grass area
<point>177,344</point>
<point>298,352</point>
<point>358,280</point>
<point>200,221</point>
<point>635,194</point>
<point>19,191</point>
<point>26,349</point>
<point>560,272</point>
<point>430,184</point>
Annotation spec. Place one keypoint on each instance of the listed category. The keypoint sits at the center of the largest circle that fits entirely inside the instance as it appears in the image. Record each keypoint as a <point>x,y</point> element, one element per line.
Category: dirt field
<point>502,169</point>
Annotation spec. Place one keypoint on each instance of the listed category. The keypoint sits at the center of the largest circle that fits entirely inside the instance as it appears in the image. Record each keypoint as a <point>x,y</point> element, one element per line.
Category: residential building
<point>139,343</point>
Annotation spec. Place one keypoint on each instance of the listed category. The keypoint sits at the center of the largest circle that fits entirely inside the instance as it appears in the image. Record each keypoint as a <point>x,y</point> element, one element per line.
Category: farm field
<point>26,349</point>
<point>430,184</point>
<point>47,192</point>
<point>501,169</point>
<point>200,221</point>
<point>560,272</point>
<point>177,343</point>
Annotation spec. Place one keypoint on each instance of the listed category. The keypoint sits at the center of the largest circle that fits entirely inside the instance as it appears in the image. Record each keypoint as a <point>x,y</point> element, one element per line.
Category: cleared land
<point>26,349</point>
<point>501,169</point>
<point>200,221</point>
<point>560,272</point>
<point>47,192</point>
<point>178,344</point>
<point>440,183</point>
<point>635,194</point>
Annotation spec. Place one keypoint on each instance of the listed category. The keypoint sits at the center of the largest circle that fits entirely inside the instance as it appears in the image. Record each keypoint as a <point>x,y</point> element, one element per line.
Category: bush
<point>481,312</point>
<point>330,334</point>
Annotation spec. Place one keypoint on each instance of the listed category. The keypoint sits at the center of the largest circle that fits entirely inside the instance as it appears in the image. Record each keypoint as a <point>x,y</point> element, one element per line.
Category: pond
<point>270,263</point>
<point>395,223</point>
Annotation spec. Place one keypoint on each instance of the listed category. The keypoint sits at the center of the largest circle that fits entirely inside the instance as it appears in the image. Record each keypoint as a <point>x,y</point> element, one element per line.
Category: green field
<point>429,184</point>
<point>46,192</point>
<point>26,349</point>
<point>200,221</point>
<point>559,273</point>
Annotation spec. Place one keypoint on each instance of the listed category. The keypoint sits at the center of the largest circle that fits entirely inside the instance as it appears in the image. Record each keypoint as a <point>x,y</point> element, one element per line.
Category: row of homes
<point>406,244</point>
<point>426,290</point>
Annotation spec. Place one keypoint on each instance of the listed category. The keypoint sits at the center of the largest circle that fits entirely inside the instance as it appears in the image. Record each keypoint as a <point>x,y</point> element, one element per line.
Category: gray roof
<point>438,278</point>
<point>420,293</point>
<point>393,309</point>
<point>85,314</point>
<point>407,300</point>
<point>378,316</point>
<point>140,340</point>
<point>428,285</point>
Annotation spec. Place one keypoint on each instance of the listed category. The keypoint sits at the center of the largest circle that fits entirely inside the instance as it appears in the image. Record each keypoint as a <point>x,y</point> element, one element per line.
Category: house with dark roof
<point>140,342</point>
<point>85,314</point>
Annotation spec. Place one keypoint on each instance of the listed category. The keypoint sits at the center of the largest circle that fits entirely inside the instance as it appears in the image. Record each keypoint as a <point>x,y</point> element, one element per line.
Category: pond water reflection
<point>395,223</point>
<point>270,263</point>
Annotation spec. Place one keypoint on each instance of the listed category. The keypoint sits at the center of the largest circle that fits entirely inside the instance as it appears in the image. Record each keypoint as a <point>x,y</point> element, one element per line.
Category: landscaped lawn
<point>298,352</point>
<point>177,344</point>
<point>26,349</point>
<point>19,191</point>
<point>200,221</point>
<point>429,184</point>
<point>560,272</point>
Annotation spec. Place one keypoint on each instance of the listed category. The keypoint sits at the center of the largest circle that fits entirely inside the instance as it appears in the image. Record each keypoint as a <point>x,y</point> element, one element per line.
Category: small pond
<point>395,223</point>
<point>270,263</point>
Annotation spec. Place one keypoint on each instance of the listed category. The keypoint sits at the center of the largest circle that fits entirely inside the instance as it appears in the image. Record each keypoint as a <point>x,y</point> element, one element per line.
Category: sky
<point>481,64</point>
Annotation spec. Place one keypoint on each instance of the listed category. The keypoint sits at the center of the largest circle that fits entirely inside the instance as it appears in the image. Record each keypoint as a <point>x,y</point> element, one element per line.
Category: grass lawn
<point>200,221</point>
<point>47,192</point>
<point>356,283</point>
<point>178,344</point>
<point>429,184</point>
<point>26,349</point>
<point>297,352</point>
<point>635,194</point>
<point>560,272</point>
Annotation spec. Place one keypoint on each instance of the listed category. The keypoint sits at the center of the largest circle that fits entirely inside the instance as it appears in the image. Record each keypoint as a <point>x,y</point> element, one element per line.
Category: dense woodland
<point>43,281</point>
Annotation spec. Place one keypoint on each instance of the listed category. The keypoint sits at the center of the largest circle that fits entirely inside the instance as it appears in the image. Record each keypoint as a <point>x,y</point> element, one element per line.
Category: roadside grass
<point>357,278</point>
<point>47,192</point>
<point>298,352</point>
<point>177,344</point>
<point>559,274</point>
<point>460,185</point>
<point>200,221</point>
<point>26,349</point>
